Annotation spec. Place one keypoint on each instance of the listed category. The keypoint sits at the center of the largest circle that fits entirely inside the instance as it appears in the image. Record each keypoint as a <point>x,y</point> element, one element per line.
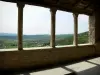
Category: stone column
<point>20,25</point>
<point>53,17</point>
<point>75,41</point>
<point>92,29</point>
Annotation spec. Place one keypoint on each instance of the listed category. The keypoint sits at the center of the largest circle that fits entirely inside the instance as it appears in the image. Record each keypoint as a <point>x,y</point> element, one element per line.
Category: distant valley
<point>8,40</point>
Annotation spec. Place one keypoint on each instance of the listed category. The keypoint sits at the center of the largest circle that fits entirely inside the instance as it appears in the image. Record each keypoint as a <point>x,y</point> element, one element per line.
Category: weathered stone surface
<point>92,29</point>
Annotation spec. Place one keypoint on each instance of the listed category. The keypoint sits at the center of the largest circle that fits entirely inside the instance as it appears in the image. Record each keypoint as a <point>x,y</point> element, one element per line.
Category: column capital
<point>53,10</point>
<point>20,5</point>
<point>75,14</point>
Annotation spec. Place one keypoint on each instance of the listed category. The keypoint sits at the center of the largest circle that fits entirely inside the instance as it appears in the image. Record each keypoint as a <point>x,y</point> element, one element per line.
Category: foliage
<point>10,41</point>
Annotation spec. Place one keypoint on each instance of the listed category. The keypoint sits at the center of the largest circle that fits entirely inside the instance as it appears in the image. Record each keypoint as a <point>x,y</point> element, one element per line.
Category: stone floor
<point>88,67</point>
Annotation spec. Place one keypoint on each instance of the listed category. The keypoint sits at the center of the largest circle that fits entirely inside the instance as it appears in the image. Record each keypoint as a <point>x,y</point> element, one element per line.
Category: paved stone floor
<point>88,67</point>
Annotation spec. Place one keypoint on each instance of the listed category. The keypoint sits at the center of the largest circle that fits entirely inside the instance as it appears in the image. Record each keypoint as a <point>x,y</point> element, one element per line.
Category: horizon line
<point>41,34</point>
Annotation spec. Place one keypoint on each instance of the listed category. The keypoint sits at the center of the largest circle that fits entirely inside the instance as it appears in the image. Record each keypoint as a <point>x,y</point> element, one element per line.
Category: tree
<point>2,44</point>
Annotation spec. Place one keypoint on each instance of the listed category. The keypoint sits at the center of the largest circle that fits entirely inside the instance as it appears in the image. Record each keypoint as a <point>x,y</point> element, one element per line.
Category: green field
<point>10,40</point>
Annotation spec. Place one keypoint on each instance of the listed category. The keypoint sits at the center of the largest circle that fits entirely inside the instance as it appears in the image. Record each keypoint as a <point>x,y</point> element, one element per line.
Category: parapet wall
<point>29,58</point>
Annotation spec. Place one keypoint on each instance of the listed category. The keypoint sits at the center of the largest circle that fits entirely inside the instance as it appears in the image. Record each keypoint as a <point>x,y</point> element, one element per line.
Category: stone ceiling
<point>78,6</point>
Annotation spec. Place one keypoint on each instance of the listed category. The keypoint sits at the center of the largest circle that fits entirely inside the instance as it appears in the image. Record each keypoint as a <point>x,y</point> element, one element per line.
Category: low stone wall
<point>29,58</point>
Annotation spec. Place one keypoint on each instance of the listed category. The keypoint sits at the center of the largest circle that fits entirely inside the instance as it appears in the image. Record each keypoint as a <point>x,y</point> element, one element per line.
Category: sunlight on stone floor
<point>80,66</point>
<point>95,60</point>
<point>77,67</point>
<point>55,71</point>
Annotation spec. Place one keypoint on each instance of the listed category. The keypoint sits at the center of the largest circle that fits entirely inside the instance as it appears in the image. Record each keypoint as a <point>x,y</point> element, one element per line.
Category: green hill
<point>10,41</point>
<point>82,38</point>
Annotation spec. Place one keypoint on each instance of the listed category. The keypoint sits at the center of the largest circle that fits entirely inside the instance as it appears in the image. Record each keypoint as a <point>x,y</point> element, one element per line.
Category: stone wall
<point>94,23</point>
<point>29,58</point>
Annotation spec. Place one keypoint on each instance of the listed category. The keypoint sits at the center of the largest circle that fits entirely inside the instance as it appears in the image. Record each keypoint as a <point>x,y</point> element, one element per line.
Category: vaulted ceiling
<point>78,6</point>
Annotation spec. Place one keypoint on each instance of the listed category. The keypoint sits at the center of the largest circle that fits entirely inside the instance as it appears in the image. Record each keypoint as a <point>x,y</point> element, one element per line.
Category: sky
<point>37,20</point>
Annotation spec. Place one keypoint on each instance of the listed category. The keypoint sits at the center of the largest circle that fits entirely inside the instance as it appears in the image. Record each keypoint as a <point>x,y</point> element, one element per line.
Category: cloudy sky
<point>37,20</point>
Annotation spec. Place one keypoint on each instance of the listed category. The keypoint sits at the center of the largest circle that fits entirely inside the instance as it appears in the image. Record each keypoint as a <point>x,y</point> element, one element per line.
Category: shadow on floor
<point>92,71</point>
<point>72,71</point>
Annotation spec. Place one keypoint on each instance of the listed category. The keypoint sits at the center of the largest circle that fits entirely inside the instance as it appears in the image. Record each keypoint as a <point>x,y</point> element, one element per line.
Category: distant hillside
<point>32,37</point>
<point>7,34</point>
<point>10,40</point>
<point>82,38</point>
<point>63,37</point>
